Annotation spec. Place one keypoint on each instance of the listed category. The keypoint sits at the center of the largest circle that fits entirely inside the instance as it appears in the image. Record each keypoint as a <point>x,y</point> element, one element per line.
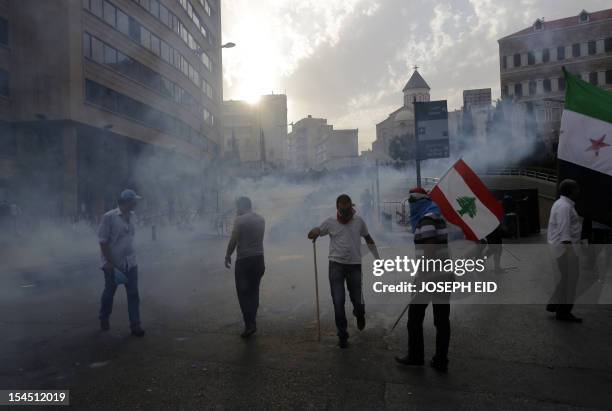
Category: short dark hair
<point>343,198</point>
<point>567,187</point>
<point>243,203</point>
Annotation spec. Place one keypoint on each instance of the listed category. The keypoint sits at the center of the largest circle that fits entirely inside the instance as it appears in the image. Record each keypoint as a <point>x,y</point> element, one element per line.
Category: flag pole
<point>316,273</point>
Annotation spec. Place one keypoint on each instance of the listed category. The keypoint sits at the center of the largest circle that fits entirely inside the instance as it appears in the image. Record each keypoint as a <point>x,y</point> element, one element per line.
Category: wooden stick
<point>316,273</point>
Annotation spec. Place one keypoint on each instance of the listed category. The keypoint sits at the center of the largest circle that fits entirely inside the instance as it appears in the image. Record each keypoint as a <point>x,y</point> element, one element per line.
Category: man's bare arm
<point>314,233</point>
<point>105,249</point>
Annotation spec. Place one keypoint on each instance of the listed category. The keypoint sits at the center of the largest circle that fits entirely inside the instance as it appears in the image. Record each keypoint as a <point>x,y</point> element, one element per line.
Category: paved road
<point>502,356</point>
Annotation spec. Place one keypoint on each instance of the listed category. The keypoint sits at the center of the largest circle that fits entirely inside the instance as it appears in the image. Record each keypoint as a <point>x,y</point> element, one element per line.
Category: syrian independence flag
<point>466,202</point>
<point>585,146</point>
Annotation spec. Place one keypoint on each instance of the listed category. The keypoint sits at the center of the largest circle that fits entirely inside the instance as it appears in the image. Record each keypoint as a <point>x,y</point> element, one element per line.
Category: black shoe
<point>343,343</point>
<point>104,325</point>
<point>248,332</point>
<point>569,317</point>
<point>409,361</point>
<point>552,308</point>
<point>439,365</point>
<point>361,323</point>
<point>138,332</point>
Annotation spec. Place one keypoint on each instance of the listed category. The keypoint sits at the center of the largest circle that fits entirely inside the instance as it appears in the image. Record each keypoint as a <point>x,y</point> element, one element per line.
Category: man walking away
<point>116,237</point>
<point>431,241</point>
<point>345,231</point>
<point>564,229</point>
<point>247,238</point>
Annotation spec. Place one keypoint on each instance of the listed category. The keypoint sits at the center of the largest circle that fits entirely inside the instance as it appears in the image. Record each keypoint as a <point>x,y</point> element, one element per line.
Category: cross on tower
<point>416,67</point>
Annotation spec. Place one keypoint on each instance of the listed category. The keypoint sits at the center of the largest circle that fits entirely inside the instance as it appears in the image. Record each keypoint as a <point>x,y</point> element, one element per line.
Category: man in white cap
<point>116,237</point>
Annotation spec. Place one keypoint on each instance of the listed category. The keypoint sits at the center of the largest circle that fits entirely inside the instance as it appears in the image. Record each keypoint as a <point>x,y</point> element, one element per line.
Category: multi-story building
<point>477,99</point>
<point>256,134</point>
<point>400,123</point>
<point>98,95</point>
<point>531,61</point>
<point>306,134</point>
<point>338,149</point>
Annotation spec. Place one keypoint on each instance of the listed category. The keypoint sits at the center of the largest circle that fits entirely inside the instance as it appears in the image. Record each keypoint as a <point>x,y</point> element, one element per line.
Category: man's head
<point>569,188</point>
<point>344,205</point>
<point>128,199</point>
<point>243,205</point>
<point>417,193</point>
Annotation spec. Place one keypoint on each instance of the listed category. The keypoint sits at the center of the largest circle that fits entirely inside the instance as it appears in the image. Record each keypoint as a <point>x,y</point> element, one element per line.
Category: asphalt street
<point>502,356</point>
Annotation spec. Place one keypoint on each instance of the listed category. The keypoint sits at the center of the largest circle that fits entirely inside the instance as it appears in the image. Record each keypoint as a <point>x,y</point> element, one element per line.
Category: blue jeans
<point>133,300</point>
<point>338,274</point>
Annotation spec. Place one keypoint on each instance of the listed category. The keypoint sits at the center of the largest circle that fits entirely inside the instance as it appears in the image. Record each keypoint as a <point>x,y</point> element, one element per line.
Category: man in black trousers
<point>431,241</point>
<point>247,239</point>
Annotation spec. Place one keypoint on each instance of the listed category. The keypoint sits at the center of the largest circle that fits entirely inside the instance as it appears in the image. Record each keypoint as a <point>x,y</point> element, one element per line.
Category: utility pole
<point>416,142</point>
<point>377,192</point>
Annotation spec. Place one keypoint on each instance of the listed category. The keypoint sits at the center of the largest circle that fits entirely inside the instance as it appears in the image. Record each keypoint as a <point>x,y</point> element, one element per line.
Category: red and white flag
<point>466,202</point>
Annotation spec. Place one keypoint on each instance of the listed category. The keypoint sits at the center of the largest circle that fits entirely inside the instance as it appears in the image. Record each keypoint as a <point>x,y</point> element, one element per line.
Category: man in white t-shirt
<point>564,228</point>
<point>345,231</point>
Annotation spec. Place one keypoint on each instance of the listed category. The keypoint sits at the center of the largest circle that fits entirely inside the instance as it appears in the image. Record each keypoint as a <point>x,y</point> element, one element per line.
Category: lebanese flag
<point>585,146</point>
<point>466,202</point>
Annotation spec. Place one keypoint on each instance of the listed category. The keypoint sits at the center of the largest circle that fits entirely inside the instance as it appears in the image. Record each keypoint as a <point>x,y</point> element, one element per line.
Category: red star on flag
<point>597,145</point>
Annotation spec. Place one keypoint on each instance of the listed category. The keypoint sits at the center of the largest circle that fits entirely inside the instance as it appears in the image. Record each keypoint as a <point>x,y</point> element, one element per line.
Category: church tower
<point>416,88</point>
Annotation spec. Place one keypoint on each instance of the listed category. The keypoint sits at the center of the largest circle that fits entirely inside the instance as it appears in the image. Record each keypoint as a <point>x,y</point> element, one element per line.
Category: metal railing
<point>523,172</point>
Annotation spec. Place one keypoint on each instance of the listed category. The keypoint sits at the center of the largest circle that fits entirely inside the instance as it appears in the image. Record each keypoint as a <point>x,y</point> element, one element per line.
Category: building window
<point>110,55</point>
<point>95,7</point>
<point>592,45</point>
<point>4,83</point>
<point>110,14</point>
<point>576,50</point>
<point>165,51</point>
<point>609,77</point>
<point>546,85</point>
<point>561,83</point>
<point>530,58</point>
<point>561,53</point>
<point>134,30</point>
<point>532,87</point>
<point>155,44</point>
<point>128,25</point>
<point>154,8</point>
<point>504,62</point>
<point>103,53</point>
<point>145,37</point>
<point>505,91</point>
<point>123,23</point>
<point>3,31</point>
<point>608,45</point>
<point>517,60</point>
<point>545,56</point>
<point>97,50</point>
<point>164,16</point>
<point>86,45</point>
<point>123,105</point>
<point>518,90</point>
<point>206,6</point>
<point>593,78</point>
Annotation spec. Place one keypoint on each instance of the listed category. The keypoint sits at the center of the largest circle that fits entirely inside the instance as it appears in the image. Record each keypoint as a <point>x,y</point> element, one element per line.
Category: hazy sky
<point>348,60</point>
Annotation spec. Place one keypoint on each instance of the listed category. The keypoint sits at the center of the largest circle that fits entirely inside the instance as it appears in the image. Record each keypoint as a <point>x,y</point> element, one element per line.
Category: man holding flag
<point>461,198</point>
<point>430,240</point>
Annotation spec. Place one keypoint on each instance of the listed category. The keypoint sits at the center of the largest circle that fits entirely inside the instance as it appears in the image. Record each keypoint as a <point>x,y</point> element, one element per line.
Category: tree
<point>401,148</point>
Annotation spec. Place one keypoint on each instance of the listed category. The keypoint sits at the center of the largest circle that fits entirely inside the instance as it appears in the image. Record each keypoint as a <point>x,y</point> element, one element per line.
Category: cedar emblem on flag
<point>466,202</point>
